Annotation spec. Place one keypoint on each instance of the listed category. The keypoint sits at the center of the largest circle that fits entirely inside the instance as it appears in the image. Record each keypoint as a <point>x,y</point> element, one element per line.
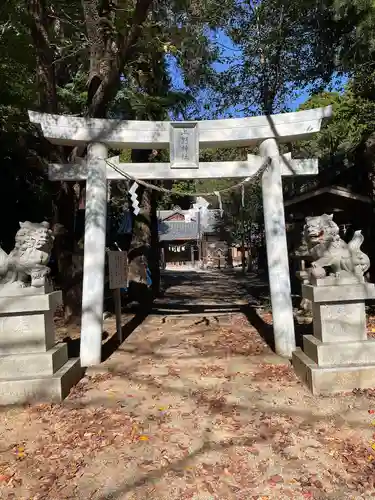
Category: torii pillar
<point>94,255</point>
<point>277,251</point>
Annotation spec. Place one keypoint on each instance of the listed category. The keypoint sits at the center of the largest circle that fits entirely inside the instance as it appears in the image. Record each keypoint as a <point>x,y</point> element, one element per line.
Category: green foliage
<point>341,144</point>
<point>17,81</point>
<point>283,47</point>
<point>73,95</point>
<point>279,50</point>
<point>353,121</point>
<point>237,219</point>
<point>354,22</point>
<point>168,201</point>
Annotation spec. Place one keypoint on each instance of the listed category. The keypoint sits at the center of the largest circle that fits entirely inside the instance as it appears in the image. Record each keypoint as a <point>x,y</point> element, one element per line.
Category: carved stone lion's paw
<point>318,272</point>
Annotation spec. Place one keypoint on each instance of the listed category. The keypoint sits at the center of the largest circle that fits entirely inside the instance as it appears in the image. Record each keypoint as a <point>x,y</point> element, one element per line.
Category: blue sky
<point>300,99</point>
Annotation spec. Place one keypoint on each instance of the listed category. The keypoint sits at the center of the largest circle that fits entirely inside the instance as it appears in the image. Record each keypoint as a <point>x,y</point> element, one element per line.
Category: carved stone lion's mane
<point>321,229</point>
<point>30,256</point>
<point>33,235</point>
<point>328,250</point>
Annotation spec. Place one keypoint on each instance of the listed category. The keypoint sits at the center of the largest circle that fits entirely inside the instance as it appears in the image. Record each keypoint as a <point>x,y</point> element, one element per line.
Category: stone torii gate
<point>184,140</point>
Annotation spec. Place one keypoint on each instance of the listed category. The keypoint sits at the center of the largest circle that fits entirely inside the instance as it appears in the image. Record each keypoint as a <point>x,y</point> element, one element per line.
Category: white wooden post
<point>277,252</point>
<point>94,255</point>
<point>117,302</point>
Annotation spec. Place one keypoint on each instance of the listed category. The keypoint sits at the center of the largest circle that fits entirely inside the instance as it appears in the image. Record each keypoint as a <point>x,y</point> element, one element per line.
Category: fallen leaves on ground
<point>188,409</point>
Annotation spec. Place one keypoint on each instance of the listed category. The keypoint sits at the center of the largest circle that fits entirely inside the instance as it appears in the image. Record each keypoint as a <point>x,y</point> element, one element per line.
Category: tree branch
<point>39,26</point>
<point>110,82</point>
<point>96,44</point>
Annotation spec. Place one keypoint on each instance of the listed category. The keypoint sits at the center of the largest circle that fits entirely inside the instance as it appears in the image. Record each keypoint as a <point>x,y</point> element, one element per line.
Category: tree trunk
<point>144,247</point>
<point>109,55</point>
<point>155,247</point>
<point>243,256</point>
<point>69,276</point>
<point>250,251</point>
<point>229,256</point>
<point>40,27</point>
<point>64,199</point>
<point>243,251</point>
<point>110,52</point>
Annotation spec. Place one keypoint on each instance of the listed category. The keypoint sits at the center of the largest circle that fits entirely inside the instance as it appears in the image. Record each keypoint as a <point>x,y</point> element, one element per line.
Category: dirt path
<point>193,405</point>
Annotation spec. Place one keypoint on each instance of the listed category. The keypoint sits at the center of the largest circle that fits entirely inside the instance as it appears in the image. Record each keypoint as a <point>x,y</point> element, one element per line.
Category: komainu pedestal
<point>338,357</point>
<point>32,366</point>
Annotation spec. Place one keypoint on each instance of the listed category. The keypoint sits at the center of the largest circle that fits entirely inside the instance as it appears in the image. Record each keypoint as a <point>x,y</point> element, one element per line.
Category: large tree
<point>100,58</point>
<point>279,48</point>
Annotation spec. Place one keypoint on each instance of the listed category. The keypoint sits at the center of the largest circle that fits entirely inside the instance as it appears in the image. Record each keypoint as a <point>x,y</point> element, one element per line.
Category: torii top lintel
<point>234,132</point>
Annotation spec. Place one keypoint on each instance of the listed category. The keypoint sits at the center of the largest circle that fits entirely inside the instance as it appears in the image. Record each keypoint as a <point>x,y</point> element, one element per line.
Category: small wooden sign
<point>118,269</point>
<point>184,145</point>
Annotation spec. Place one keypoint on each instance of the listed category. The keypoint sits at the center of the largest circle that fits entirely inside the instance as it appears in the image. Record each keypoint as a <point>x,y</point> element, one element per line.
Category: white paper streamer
<point>217,193</point>
<point>134,198</point>
<point>243,196</point>
<point>109,191</point>
<point>201,206</point>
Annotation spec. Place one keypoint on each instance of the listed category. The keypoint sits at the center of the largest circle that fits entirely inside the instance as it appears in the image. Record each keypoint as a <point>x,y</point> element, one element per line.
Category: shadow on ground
<point>185,293</point>
<point>112,342</point>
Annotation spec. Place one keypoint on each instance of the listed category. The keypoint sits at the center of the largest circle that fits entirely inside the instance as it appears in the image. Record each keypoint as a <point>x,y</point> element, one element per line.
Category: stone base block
<point>340,322</point>
<point>332,280</point>
<point>53,388</point>
<point>33,364</point>
<point>14,290</point>
<point>339,293</point>
<point>27,303</point>
<point>332,379</point>
<point>26,323</point>
<point>26,333</point>
<point>341,353</point>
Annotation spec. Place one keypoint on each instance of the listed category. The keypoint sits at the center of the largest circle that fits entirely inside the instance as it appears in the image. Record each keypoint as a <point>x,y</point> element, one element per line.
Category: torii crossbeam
<point>184,140</point>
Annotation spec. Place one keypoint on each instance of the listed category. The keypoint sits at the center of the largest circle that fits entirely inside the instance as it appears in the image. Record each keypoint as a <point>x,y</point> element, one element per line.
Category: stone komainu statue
<point>27,262</point>
<point>328,250</point>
